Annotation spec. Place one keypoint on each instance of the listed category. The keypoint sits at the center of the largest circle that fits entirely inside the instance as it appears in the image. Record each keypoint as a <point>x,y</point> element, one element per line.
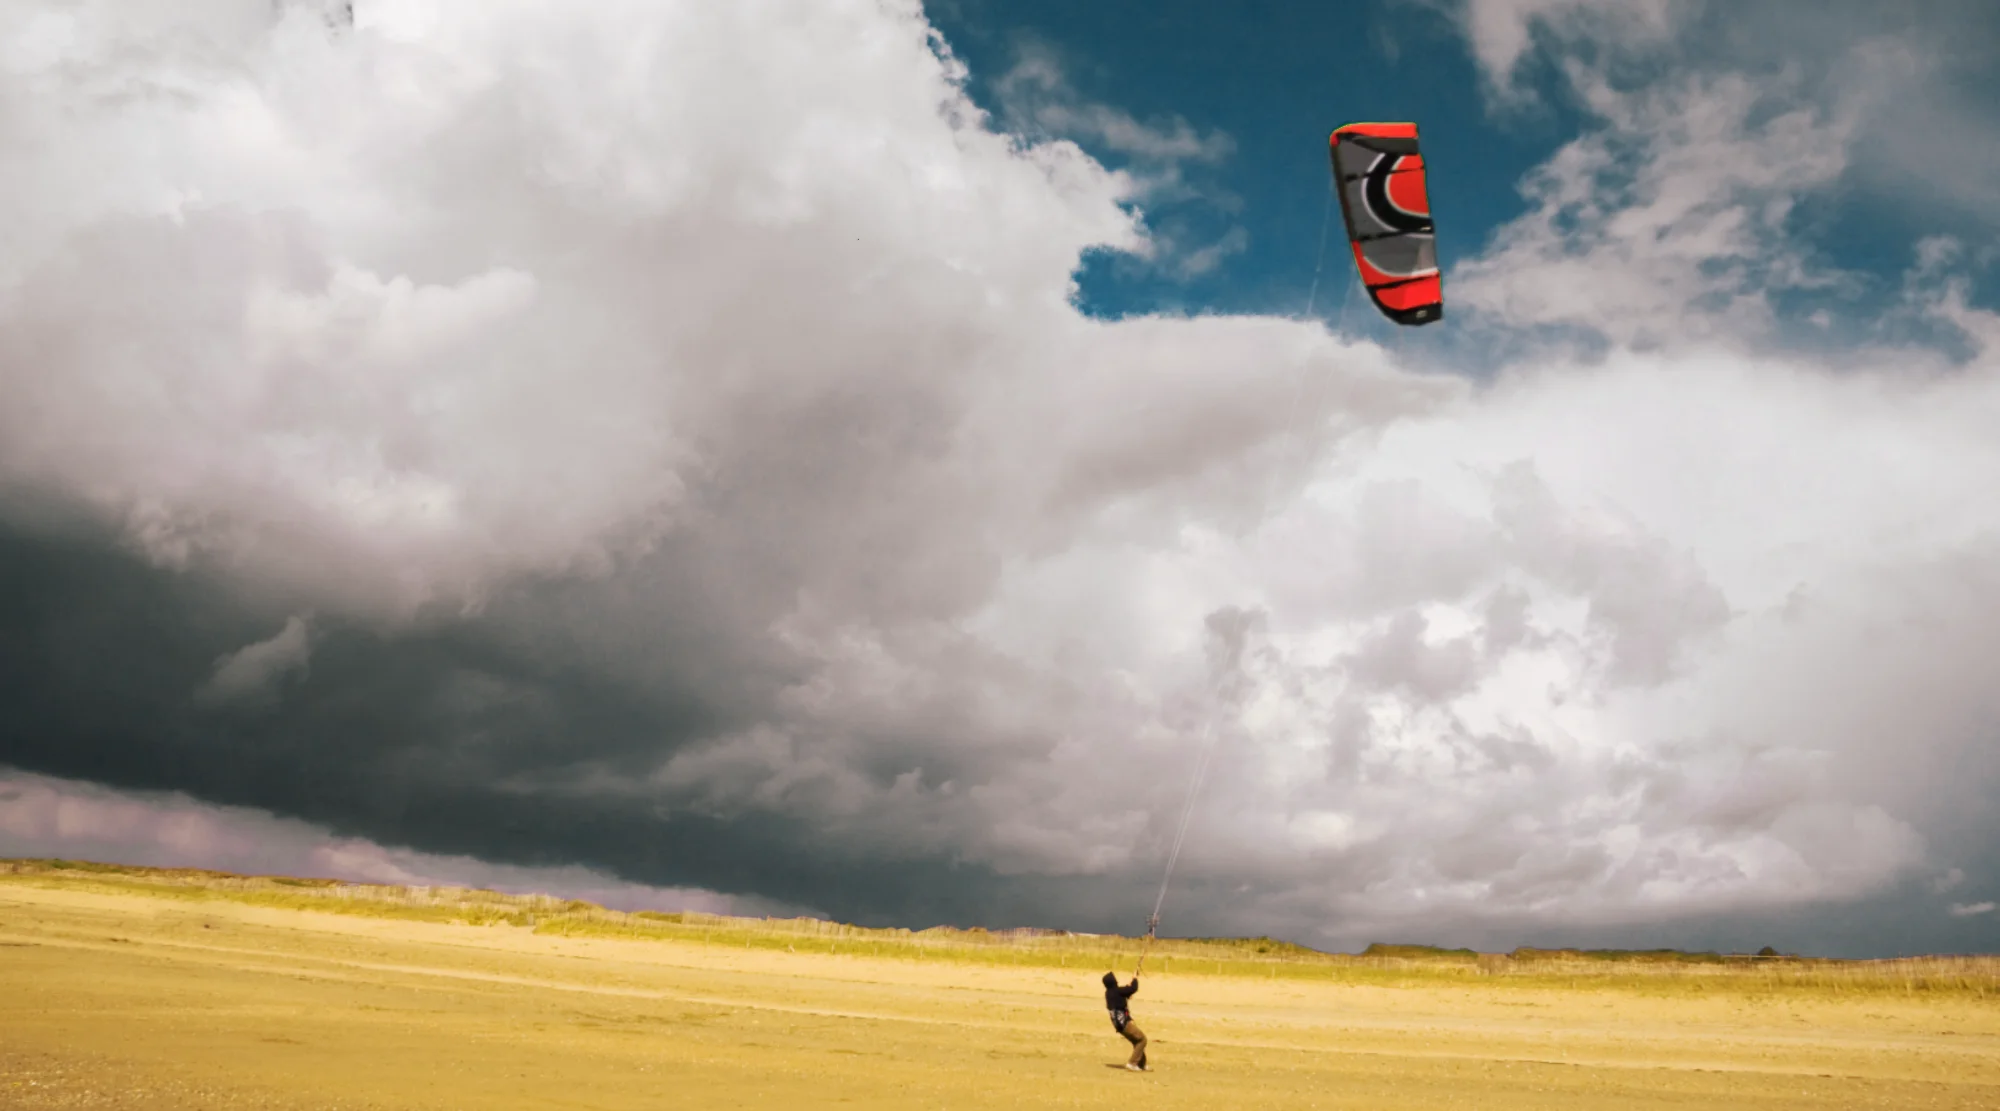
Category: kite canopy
<point>1388,212</point>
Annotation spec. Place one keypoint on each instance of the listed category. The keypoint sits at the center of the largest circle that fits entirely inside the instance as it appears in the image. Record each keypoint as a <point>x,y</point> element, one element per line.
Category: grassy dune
<point>174,990</point>
<point>1661,969</point>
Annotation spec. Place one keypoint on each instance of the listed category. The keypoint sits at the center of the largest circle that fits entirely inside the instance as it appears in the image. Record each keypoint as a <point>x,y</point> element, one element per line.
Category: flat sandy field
<point>110,999</point>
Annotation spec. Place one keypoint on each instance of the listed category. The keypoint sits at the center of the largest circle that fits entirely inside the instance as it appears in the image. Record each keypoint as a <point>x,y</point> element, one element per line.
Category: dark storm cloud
<point>450,741</point>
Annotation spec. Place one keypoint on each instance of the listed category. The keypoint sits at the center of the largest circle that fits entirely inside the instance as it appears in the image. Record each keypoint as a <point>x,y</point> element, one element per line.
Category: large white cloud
<point>388,319</point>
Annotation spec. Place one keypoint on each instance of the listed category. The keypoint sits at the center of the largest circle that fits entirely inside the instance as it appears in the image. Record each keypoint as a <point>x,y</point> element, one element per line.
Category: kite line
<point>1379,175</point>
<point>1209,738</point>
<point>1325,222</point>
<point>1209,734</point>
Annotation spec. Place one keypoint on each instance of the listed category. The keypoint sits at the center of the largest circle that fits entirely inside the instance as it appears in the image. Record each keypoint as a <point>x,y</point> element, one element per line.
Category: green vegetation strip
<point>1654,971</point>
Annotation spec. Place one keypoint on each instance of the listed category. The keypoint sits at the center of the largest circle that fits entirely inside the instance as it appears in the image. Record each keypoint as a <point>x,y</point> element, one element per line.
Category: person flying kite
<point>1116,1001</point>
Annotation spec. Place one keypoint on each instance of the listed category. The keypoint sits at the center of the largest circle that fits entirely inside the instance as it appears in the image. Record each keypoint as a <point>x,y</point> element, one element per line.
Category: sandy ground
<point>116,1001</point>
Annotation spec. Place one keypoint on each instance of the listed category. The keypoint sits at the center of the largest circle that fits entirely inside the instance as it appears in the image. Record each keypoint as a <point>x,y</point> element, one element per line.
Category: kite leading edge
<point>1380,175</point>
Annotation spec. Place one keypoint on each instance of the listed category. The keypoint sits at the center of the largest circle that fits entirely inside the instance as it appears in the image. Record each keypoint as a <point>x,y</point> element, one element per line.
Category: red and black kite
<point>1388,211</point>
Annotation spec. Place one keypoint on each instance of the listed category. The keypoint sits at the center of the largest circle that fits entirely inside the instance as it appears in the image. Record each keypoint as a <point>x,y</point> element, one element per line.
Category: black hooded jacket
<point>1114,996</point>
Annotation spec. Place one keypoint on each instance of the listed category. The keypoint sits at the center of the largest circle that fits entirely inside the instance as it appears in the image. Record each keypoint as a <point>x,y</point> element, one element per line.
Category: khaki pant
<point>1138,1039</point>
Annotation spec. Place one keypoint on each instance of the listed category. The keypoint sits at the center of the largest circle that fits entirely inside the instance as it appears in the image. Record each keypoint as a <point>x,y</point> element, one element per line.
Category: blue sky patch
<point>1254,89</point>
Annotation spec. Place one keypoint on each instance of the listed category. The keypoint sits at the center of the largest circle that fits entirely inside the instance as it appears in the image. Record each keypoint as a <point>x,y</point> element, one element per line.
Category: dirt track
<point>121,1001</point>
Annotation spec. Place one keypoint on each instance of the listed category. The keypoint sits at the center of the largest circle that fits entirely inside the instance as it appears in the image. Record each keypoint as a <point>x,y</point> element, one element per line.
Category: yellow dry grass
<point>121,988</point>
